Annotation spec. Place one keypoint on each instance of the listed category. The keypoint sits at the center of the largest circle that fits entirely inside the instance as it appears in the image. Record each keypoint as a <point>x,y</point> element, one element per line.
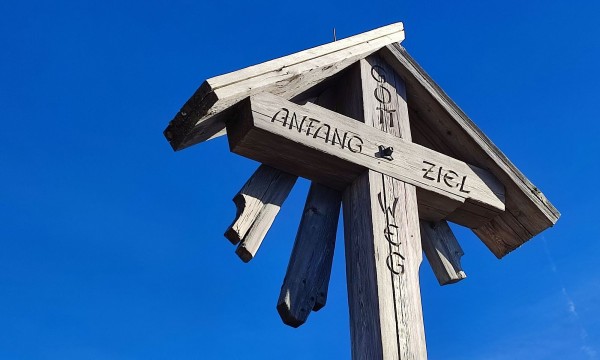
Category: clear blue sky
<point>112,245</point>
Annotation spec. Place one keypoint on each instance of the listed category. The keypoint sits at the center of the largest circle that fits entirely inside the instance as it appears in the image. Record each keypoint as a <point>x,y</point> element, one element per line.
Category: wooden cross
<point>347,129</point>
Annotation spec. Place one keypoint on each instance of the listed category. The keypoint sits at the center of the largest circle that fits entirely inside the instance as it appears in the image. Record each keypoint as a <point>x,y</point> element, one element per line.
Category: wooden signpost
<point>378,138</point>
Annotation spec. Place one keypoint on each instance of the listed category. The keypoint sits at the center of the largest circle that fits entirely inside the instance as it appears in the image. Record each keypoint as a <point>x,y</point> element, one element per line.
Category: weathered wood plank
<point>445,127</point>
<point>503,234</point>
<point>442,251</point>
<point>383,284</point>
<point>381,228</point>
<point>432,208</point>
<point>307,278</point>
<point>202,117</point>
<point>258,203</point>
<point>250,200</point>
<point>332,149</point>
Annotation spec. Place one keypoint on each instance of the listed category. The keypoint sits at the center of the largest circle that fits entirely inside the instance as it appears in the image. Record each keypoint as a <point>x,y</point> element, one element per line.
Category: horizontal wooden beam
<point>334,150</point>
<point>203,115</point>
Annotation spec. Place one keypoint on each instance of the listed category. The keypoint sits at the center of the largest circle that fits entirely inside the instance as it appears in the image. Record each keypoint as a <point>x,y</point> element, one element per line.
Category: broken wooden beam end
<point>307,277</point>
<point>257,204</point>
<point>442,251</point>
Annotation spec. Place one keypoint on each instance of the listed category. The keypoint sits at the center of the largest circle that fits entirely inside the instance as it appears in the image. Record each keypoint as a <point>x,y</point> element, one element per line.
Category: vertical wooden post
<point>381,226</point>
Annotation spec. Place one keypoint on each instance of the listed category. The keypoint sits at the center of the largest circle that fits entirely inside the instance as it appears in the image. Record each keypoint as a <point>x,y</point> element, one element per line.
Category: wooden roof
<point>441,125</point>
<point>436,121</point>
<point>202,116</point>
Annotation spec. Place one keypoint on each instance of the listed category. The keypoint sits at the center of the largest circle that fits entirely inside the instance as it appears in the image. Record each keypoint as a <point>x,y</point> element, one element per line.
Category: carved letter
<point>462,185</point>
<point>340,140</point>
<point>282,119</point>
<point>380,94</point>
<point>448,179</point>
<point>427,171</point>
<point>326,137</point>
<point>378,73</point>
<point>390,234</point>
<point>382,111</point>
<point>358,147</point>
<point>310,125</point>
<point>389,211</point>
<point>294,122</point>
<point>395,263</point>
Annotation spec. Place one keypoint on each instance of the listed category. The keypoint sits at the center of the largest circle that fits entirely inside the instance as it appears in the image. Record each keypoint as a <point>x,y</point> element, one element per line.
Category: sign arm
<point>334,150</point>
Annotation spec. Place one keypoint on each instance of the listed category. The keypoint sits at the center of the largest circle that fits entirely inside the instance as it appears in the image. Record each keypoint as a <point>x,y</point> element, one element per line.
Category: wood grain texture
<point>442,251</point>
<point>381,229</point>
<point>443,126</point>
<point>307,277</point>
<point>337,155</point>
<point>258,203</point>
<point>203,115</point>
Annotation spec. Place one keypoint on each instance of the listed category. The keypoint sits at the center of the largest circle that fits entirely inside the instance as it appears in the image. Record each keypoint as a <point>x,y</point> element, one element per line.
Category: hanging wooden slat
<point>258,203</point>
<point>307,277</point>
<point>442,251</point>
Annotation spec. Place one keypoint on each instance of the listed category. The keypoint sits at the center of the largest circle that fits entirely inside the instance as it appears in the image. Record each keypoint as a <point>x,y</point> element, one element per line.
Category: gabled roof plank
<point>445,127</point>
<point>202,117</point>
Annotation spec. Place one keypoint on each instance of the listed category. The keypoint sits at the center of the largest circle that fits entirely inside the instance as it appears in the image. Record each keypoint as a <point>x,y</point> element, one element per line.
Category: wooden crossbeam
<point>334,150</point>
